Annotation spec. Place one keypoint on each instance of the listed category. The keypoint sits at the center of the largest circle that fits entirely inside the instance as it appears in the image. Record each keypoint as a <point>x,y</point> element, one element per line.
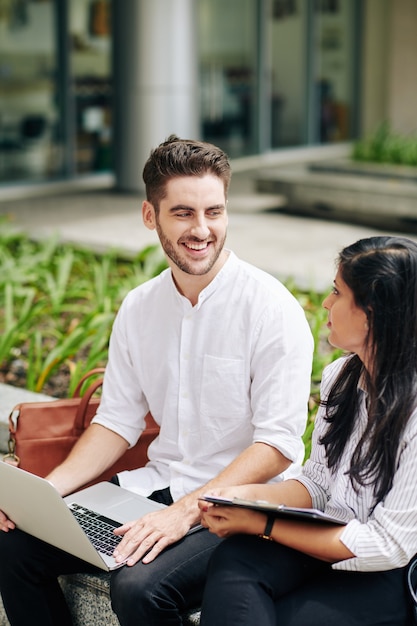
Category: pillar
<point>155,81</point>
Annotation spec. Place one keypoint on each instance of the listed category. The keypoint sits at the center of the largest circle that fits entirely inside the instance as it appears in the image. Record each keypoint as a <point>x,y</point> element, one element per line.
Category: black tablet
<point>277,510</point>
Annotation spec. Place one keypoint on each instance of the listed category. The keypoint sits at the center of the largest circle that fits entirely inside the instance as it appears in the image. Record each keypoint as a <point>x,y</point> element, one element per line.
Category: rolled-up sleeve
<point>123,406</point>
<point>281,371</point>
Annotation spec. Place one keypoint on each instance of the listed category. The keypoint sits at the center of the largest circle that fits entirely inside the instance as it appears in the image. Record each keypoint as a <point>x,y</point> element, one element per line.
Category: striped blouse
<point>383,538</point>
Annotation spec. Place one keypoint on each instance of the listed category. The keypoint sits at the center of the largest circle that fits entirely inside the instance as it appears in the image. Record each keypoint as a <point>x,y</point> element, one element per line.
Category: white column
<point>155,81</point>
<point>402,103</point>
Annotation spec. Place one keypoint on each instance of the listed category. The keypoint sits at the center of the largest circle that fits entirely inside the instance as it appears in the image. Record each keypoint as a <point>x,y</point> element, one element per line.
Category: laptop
<point>36,507</point>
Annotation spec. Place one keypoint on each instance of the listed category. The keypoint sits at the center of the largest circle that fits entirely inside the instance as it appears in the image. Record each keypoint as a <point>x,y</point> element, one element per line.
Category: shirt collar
<point>219,280</point>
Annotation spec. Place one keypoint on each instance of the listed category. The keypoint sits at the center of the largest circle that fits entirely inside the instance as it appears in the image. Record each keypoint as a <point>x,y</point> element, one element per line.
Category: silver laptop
<point>37,508</point>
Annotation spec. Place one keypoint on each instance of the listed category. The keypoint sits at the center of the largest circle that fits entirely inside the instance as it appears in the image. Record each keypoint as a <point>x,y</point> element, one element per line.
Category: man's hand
<point>150,535</point>
<point>5,523</point>
<point>245,492</point>
<point>156,531</point>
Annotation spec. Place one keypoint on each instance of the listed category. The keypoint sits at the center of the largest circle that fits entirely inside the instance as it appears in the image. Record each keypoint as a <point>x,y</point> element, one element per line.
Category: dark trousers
<point>157,593</point>
<point>252,581</point>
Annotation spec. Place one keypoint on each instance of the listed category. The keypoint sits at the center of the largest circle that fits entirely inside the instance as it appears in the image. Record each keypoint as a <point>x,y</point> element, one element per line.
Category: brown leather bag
<point>41,434</point>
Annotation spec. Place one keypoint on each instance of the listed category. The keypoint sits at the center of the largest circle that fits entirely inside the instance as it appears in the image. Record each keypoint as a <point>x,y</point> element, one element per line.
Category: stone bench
<point>88,598</point>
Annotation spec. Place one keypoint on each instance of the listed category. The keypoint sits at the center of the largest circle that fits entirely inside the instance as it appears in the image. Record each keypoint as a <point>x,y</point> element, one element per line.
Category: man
<point>220,353</point>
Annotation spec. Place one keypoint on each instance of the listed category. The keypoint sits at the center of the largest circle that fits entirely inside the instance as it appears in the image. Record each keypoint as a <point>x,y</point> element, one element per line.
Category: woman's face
<point>347,323</point>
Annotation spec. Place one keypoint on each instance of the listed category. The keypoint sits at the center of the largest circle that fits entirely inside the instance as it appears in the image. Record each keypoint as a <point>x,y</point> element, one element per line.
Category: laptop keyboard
<point>98,528</point>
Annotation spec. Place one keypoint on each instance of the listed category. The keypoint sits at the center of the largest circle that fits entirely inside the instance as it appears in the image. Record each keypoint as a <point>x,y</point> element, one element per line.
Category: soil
<point>57,385</point>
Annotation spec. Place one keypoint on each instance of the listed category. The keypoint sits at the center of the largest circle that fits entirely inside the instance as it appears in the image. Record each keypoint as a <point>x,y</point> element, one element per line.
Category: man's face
<point>192,223</point>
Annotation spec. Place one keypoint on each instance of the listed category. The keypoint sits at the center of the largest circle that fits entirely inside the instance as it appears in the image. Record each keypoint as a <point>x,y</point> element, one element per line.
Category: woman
<point>362,468</point>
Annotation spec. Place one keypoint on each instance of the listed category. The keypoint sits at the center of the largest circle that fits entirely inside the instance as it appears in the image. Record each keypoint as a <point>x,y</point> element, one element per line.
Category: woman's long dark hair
<point>382,274</point>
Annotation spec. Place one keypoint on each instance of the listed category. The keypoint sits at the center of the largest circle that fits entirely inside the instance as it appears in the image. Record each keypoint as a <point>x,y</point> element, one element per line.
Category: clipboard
<point>277,510</point>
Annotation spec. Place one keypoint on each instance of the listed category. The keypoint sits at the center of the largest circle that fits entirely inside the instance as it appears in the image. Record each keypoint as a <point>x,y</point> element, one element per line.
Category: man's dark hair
<point>177,157</point>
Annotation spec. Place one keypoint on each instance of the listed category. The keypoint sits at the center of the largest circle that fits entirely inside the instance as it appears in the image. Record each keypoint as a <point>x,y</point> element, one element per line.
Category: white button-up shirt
<point>382,539</point>
<point>232,370</point>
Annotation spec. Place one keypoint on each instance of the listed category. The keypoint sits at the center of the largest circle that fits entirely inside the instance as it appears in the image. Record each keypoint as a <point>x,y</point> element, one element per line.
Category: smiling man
<point>220,353</point>
<point>192,232</point>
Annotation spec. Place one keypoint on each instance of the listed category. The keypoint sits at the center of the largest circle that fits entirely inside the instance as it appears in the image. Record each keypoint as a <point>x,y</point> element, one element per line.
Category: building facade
<point>89,86</point>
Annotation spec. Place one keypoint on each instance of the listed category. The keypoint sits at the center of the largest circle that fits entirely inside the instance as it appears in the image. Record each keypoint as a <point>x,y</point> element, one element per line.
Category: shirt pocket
<point>224,390</point>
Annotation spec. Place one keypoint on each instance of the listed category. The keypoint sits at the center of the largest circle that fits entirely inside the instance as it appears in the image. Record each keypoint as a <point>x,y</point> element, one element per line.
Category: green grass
<point>58,303</point>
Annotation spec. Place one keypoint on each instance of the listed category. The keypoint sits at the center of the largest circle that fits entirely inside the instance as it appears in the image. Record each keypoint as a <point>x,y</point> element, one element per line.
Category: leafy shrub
<point>58,302</point>
<point>384,146</point>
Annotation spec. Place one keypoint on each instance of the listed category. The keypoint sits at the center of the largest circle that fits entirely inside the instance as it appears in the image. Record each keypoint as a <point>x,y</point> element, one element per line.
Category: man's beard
<point>182,263</point>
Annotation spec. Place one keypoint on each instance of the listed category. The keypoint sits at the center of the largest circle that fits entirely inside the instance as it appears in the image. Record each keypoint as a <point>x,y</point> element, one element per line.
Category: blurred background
<point>90,86</point>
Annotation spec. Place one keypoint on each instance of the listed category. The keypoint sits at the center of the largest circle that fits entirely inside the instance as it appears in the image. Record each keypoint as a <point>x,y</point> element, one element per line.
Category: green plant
<point>385,146</point>
<point>58,302</point>
<point>323,353</point>
<point>18,310</point>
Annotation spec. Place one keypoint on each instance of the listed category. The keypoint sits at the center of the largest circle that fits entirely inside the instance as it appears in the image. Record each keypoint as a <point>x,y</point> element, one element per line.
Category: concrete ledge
<point>364,168</point>
<point>9,397</point>
<point>389,202</point>
<point>31,190</point>
<point>286,156</point>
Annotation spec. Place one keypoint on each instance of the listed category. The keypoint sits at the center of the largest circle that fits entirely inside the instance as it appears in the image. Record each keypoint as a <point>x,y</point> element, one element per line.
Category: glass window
<point>227,51</point>
<point>335,53</point>
<point>289,73</point>
<point>90,68</point>
<point>28,110</point>
<point>277,73</point>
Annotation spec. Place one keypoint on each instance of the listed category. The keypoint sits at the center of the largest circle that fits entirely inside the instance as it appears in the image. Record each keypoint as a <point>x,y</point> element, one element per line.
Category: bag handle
<point>79,422</point>
<point>89,374</point>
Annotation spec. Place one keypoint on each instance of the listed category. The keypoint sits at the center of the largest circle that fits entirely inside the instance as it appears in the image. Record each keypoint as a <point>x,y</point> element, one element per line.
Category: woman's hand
<point>227,520</point>
<point>5,523</point>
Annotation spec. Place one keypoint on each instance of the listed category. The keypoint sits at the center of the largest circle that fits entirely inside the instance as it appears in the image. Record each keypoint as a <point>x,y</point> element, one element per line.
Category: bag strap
<point>11,457</point>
